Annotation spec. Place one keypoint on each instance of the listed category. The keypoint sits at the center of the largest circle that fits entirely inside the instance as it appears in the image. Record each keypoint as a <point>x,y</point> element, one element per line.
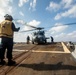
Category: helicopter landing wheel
<point>45,41</point>
<point>32,42</point>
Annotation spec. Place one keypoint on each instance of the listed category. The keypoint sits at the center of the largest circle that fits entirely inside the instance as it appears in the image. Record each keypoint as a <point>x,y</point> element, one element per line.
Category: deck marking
<point>20,50</point>
<point>49,51</point>
<point>38,51</point>
<point>66,50</point>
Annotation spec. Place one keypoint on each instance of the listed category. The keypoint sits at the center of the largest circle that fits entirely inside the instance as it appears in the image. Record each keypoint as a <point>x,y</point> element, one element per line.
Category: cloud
<point>53,6</point>
<point>67,3</point>
<point>21,37</point>
<point>58,16</point>
<point>21,13</point>
<point>72,34</point>
<point>34,23</point>
<point>66,37</point>
<point>58,28</point>
<point>69,13</point>
<point>5,8</point>
<point>22,2</point>
<point>20,22</point>
<point>31,23</point>
<point>63,4</point>
<point>32,5</point>
<point>67,6</point>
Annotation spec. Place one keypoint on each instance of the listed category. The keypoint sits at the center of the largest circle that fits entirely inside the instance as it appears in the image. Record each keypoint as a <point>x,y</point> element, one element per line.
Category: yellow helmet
<point>8,17</point>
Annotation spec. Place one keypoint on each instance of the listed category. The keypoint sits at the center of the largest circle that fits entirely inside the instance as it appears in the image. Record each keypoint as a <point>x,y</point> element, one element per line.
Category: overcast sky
<point>42,13</point>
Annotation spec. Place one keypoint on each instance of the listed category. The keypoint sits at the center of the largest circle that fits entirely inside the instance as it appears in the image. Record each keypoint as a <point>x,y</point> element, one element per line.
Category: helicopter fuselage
<point>38,37</point>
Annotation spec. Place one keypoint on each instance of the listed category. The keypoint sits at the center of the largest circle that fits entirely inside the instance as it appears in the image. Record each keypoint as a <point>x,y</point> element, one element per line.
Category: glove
<point>18,28</point>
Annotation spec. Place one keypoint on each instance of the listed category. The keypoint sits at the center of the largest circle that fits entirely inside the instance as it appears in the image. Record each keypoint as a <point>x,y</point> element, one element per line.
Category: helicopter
<point>38,36</point>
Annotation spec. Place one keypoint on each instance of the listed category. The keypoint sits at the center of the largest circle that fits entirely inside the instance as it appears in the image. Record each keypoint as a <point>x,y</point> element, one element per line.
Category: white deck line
<point>38,51</point>
<point>49,51</point>
<point>66,50</point>
<point>64,47</point>
<point>20,50</point>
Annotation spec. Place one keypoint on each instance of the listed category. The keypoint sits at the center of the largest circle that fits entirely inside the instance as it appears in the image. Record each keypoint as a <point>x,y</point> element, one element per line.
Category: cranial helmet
<point>8,17</point>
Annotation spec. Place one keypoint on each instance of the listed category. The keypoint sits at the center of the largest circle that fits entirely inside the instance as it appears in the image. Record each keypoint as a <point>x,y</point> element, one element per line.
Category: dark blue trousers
<point>6,44</point>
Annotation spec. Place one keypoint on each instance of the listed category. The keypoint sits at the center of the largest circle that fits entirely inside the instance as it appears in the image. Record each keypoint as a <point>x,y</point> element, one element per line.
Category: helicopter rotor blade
<point>30,26</point>
<point>27,30</point>
<point>66,24</point>
<point>26,24</point>
<point>39,28</point>
<point>70,23</point>
<point>18,21</point>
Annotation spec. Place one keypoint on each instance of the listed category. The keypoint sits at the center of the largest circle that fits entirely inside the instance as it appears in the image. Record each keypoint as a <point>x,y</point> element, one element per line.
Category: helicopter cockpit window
<point>41,33</point>
<point>38,33</point>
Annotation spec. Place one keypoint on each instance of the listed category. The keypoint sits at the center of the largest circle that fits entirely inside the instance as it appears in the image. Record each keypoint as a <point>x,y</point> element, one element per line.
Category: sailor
<point>7,29</point>
<point>52,39</point>
<point>28,39</point>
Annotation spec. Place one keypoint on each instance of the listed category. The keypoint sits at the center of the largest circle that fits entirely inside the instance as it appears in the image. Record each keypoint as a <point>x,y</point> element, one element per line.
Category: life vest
<point>6,29</point>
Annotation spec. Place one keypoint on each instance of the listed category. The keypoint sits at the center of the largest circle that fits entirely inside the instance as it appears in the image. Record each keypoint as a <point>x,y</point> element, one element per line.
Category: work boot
<point>2,62</point>
<point>11,62</point>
